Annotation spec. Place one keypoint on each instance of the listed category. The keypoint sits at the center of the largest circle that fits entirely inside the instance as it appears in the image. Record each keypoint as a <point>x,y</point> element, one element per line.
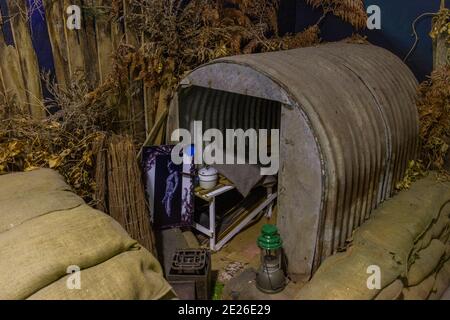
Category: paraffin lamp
<point>270,277</point>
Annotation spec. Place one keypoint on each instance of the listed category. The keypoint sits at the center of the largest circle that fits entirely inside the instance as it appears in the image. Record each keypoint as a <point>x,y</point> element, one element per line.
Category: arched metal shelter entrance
<point>348,125</point>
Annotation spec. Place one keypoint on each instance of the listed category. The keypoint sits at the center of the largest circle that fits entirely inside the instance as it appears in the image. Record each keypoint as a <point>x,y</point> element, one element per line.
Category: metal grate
<point>191,266</point>
<point>189,261</point>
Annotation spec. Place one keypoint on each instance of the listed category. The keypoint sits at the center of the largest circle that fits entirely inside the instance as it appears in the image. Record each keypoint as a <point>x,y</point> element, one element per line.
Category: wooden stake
<point>441,49</point>
<point>55,26</point>
<point>28,63</point>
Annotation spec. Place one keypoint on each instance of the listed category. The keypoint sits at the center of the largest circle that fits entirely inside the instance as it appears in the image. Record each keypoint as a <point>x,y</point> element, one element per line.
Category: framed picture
<point>169,187</point>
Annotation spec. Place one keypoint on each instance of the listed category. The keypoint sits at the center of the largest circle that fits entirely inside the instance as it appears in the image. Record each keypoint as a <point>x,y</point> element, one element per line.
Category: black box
<point>192,266</point>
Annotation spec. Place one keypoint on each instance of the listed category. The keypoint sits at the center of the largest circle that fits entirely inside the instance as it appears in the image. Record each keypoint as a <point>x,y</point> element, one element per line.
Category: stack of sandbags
<point>407,239</point>
<point>446,295</point>
<point>46,232</point>
<point>429,265</point>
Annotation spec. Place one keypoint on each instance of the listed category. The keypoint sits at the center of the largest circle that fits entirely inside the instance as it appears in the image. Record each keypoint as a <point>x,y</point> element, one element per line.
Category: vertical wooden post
<point>136,112</point>
<point>74,49</point>
<point>105,46</point>
<point>54,16</point>
<point>2,83</point>
<point>11,73</point>
<point>163,107</point>
<point>149,108</point>
<point>441,48</point>
<point>28,63</point>
<point>89,44</point>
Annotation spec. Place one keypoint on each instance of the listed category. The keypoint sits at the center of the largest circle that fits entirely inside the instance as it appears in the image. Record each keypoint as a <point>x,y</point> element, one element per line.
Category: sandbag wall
<point>407,238</point>
<point>47,232</point>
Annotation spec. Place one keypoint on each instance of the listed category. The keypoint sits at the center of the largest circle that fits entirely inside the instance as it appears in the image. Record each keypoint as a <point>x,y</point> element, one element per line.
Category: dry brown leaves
<point>63,141</point>
<point>414,172</point>
<point>357,39</point>
<point>309,37</point>
<point>179,35</point>
<point>351,11</point>
<point>434,111</point>
<point>441,25</point>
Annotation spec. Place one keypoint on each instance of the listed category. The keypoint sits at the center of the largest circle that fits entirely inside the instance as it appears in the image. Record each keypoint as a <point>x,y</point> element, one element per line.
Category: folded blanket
<point>243,176</point>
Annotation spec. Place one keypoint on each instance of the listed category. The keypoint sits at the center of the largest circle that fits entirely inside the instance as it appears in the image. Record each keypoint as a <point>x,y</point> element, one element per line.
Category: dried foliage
<point>179,35</point>
<point>357,39</point>
<point>440,34</point>
<point>307,38</point>
<point>441,24</point>
<point>351,11</point>
<point>62,141</point>
<point>434,112</point>
<point>414,172</point>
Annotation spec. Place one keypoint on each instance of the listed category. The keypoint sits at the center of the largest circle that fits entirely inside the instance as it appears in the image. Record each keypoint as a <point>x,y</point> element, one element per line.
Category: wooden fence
<point>19,70</point>
<point>87,51</point>
<point>441,47</point>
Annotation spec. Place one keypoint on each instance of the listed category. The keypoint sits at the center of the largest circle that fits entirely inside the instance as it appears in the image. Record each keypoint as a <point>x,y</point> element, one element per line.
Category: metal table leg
<point>212,224</point>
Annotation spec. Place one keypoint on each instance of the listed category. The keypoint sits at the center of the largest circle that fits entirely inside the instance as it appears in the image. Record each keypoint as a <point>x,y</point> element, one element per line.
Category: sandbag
<point>421,291</point>
<point>446,295</point>
<point>23,207</point>
<point>392,291</point>
<point>40,250</point>
<point>442,224</point>
<point>399,223</point>
<point>344,275</point>
<point>425,262</point>
<point>447,251</point>
<point>441,283</point>
<point>129,275</point>
<point>445,238</point>
<point>388,240</point>
<point>438,230</point>
<point>22,183</point>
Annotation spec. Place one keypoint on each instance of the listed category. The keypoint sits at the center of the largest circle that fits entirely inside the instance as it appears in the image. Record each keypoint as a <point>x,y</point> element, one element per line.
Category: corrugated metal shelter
<point>348,125</point>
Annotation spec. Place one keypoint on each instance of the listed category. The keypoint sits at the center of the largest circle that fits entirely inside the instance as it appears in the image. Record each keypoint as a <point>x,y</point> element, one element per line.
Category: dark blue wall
<point>396,34</point>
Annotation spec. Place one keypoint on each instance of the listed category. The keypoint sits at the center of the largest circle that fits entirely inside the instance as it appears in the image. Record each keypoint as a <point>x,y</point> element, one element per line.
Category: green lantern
<point>270,277</point>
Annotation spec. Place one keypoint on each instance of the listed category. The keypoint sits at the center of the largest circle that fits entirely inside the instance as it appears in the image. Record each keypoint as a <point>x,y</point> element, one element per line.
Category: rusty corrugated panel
<point>349,127</point>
